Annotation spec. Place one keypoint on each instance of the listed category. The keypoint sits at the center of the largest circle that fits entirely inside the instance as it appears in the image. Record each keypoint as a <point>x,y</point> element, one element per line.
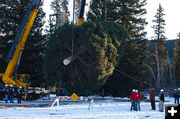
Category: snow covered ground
<point>106,109</point>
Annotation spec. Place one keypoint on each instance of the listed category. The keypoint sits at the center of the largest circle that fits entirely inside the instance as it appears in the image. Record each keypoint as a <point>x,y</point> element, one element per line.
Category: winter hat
<point>10,85</point>
<point>136,91</point>
<point>162,90</point>
<point>133,90</point>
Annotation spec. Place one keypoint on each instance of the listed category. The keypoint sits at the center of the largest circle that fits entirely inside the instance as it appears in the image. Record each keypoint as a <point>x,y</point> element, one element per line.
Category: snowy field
<point>106,109</point>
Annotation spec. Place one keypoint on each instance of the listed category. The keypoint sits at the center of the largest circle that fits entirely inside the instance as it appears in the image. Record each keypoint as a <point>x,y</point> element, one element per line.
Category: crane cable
<point>143,82</point>
<point>73,30</point>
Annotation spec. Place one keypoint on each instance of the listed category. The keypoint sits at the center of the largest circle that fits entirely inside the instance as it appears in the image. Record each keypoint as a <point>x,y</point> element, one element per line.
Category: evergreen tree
<point>130,16</point>
<point>51,26</point>
<point>160,53</point>
<point>61,12</point>
<point>101,10</point>
<point>97,51</point>
<point>7,29</point>
<point>76,11</point>
<point>159,24</point>
<point>128,13</point>
<point>12,13</point>
<point>177,60</point>
<point>65,9</point>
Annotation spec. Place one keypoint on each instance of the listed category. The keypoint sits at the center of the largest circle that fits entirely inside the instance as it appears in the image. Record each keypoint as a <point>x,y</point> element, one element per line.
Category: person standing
<point>138,98</point>
<point>152,95</point>
<point>178,92</point>
<point>176,96</point>
<point>11,94</point>
<point>19,94</point>
<point>6,93</point>
<point>133,107</point>
<point>161,103</point>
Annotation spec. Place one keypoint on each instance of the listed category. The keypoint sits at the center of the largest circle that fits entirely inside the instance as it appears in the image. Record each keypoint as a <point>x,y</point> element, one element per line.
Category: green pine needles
<point>97,51</point>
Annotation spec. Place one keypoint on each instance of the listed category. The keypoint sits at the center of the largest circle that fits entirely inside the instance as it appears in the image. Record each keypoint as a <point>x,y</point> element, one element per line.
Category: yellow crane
<point>10,77</point>
<point>80,19</point>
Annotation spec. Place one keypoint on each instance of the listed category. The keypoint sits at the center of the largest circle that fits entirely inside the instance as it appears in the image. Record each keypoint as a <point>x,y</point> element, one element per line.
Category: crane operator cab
<point>23,80</point>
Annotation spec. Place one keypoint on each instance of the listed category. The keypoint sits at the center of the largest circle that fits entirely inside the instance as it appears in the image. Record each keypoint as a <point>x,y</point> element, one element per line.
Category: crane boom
<point>17,48</point>
<point>80,19</point>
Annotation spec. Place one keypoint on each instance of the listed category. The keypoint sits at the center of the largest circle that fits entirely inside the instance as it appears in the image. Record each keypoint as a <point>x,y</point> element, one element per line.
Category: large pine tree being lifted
<point>12,13</point>
<point>97,50</point>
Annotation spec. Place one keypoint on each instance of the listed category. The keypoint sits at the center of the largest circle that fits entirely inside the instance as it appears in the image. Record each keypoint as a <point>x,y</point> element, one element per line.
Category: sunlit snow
<point>110,108</point>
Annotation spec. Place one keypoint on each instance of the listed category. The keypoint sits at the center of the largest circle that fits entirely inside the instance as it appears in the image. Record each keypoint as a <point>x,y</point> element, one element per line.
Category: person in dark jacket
<point>11,94</point>
<point>133,107</point>
<point>178,92</point>
<point>161,103</point>
<point>152,95</point>
<point>6,93</point>
<point>176,96</point>
<point>19,94</point>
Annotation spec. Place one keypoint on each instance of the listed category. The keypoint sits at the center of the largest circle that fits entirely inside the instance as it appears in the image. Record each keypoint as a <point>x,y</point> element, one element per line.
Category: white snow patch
<point>107,109</point>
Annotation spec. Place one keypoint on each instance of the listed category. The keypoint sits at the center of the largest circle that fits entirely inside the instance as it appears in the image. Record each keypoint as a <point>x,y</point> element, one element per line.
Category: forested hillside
<point>170,45</point>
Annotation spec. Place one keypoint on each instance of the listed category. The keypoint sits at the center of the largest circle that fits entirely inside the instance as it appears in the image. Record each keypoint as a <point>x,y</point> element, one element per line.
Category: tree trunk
<point>154,77</point>
<point>158,68</point>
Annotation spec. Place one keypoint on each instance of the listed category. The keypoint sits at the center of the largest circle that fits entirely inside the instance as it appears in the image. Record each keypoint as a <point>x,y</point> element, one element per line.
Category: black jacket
<point>6,91</point>
<point>175,94</point>
<point>11,91</point>
<point>161,97</point>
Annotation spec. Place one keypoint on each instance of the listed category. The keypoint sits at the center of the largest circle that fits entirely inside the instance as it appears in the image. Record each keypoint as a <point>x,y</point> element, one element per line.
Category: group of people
<point>176,95</point>
<point>135,100</point>
<point>10,91</point>
<point>152,94</point>
<point>136,97</point>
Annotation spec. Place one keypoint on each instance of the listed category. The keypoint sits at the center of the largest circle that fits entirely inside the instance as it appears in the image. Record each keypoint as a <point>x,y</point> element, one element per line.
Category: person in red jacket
<point>133,107</point>
<point>138,98</point>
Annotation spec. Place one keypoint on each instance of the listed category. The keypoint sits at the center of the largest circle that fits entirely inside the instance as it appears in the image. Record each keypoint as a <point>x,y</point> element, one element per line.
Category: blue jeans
<point>11,99</point>
<point>176,100</point>
<point>133,105</point>
<point>19,98</point>
<point>137,105</point>
<point>6,97</point>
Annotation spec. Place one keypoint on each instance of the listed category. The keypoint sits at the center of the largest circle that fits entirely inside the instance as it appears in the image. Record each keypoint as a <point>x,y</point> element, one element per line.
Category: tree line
<point>112,54</point>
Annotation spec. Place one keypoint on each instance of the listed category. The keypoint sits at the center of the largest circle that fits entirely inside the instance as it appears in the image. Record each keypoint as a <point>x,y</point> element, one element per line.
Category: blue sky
<point>171,10</point>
